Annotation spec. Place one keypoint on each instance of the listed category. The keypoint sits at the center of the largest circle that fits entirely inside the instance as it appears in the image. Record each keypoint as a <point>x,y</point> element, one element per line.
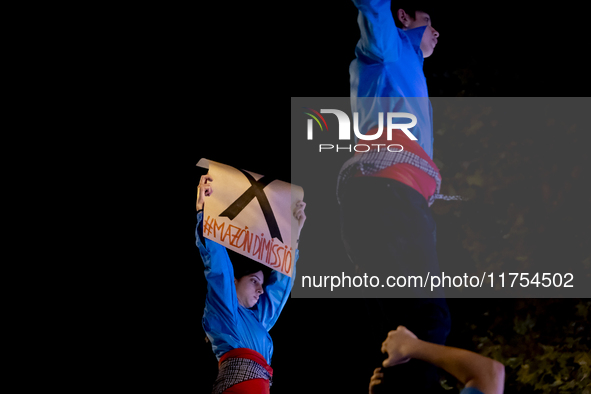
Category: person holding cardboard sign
<point>241,306</point>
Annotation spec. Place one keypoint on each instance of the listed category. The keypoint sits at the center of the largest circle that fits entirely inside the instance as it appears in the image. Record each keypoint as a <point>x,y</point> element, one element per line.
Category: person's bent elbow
<point>498,377</point>
<point>491,380</point>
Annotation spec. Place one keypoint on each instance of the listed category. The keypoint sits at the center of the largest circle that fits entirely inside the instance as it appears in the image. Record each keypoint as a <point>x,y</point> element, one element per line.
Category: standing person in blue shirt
<point>385,197</point>
<point>387,73</point>
<point>242,304</point>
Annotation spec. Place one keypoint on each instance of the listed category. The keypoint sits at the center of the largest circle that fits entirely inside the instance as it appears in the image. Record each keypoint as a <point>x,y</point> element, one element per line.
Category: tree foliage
<point>545,344</point>
<point>525,180</point>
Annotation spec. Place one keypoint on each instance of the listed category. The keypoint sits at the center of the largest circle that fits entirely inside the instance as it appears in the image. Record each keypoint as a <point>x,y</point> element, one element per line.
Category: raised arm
<point>379,40</point>
<point>279,286</point>
<point>472,369</point>
<point>218,269</point>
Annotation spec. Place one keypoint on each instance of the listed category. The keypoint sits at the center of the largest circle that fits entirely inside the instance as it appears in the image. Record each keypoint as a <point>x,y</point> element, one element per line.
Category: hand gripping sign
<point>252,214</point>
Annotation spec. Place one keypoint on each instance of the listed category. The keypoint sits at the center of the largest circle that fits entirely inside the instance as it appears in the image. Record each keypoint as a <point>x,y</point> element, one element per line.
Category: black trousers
<point>388,230</point>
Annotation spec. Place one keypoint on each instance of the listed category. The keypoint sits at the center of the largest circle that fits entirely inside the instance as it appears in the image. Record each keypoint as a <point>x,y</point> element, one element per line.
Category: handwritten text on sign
<point>252,214</point>
<point>273,254</point>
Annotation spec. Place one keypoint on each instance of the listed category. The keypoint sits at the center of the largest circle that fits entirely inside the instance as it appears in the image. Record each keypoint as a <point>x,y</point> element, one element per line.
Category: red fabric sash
<point>253,386</point>
<point>405,173</point>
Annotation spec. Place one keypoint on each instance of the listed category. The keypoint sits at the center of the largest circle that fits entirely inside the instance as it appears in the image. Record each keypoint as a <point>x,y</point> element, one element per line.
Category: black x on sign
<point>255,191</point>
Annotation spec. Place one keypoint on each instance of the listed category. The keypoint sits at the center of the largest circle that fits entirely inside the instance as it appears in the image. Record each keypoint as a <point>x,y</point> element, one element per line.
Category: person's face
<point>429,36</point>
<point>249,288</point>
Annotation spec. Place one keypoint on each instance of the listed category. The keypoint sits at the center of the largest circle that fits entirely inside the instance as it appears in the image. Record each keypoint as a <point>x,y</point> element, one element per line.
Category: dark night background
<point>304,50</point>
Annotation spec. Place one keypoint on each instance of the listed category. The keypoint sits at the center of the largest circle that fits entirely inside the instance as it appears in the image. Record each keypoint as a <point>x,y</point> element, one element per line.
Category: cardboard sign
<point>252,214</point>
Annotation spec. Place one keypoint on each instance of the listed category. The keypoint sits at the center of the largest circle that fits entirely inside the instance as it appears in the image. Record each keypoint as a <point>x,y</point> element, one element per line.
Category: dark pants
<point>388,230</point>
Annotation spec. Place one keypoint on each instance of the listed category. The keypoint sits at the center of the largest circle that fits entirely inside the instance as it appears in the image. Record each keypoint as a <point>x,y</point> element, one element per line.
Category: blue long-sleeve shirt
<point>387,74</point>
<point>228,324</point>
